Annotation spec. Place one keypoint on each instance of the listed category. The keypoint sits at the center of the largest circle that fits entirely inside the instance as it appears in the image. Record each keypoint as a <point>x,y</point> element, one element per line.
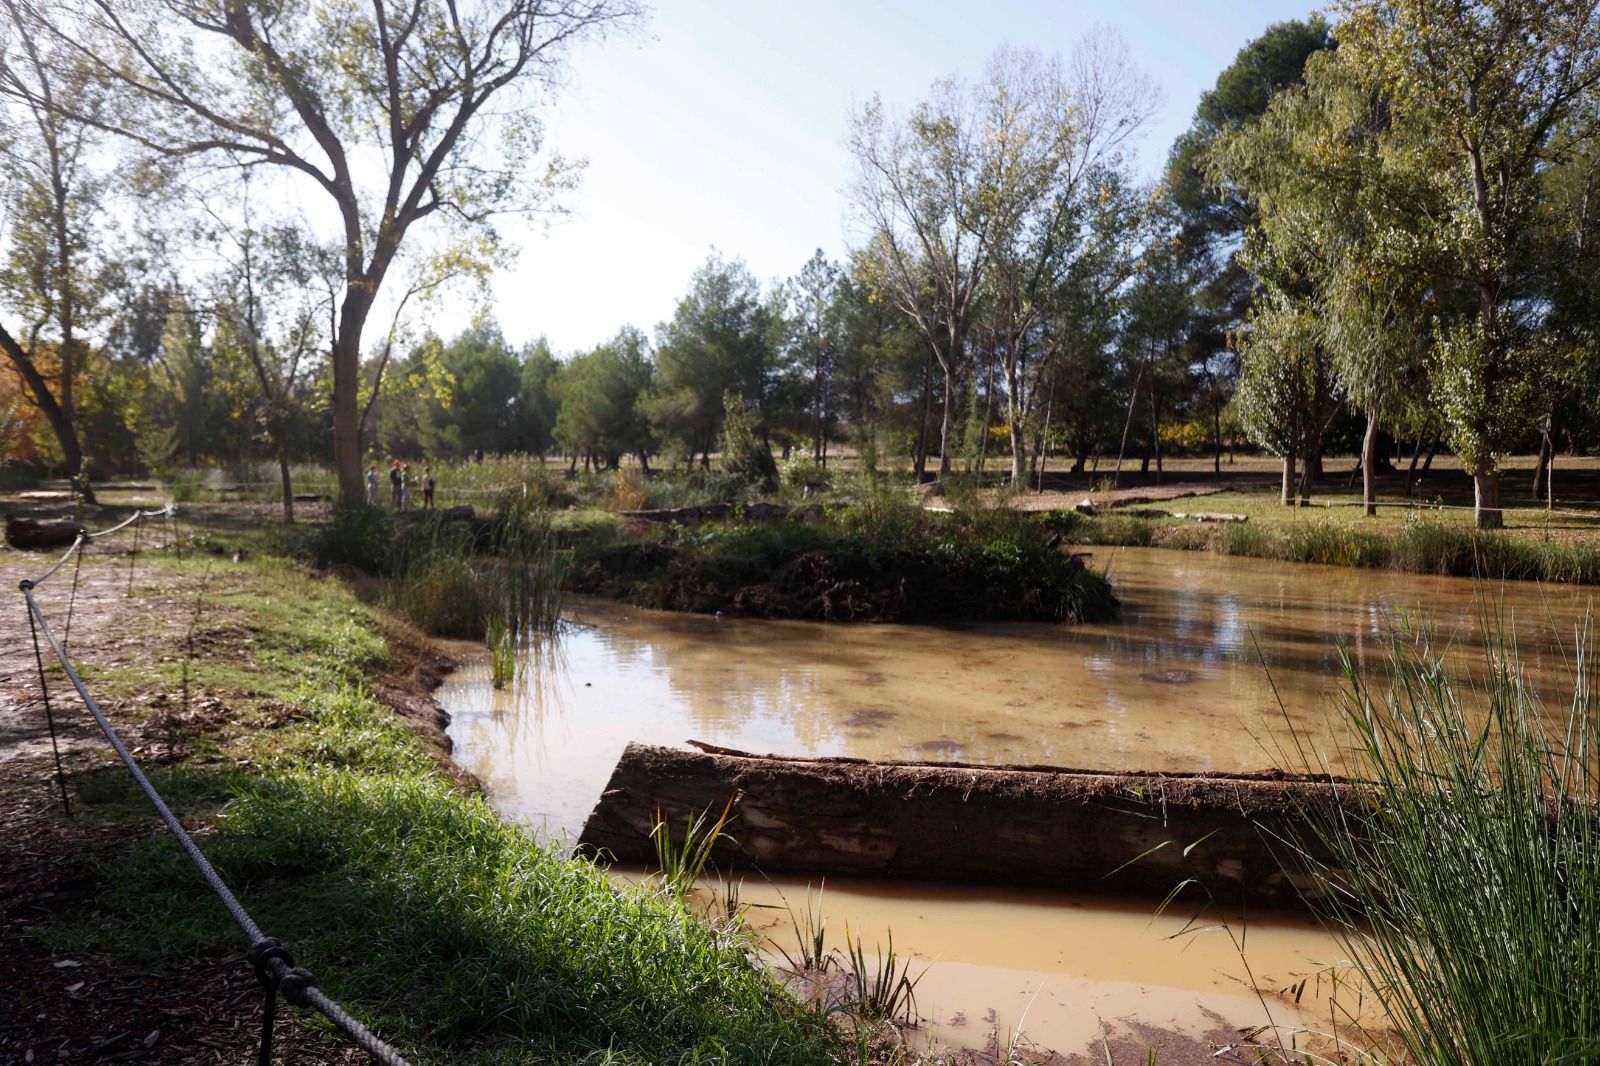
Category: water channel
<point>1214,663</point>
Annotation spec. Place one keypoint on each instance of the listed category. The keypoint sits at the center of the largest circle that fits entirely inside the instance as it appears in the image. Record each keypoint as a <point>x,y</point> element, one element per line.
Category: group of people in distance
<point>400,485</point>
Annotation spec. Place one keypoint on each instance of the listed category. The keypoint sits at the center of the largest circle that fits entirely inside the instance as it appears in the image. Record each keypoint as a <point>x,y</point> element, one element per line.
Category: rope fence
<point>271,961</point>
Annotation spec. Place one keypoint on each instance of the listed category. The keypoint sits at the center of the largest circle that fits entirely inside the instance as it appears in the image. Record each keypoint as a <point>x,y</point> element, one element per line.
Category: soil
<point>94,1008</point>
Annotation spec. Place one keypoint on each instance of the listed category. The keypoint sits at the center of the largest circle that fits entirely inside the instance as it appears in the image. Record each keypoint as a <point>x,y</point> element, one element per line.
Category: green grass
<point>452,932</point>
<point>1468,890</point>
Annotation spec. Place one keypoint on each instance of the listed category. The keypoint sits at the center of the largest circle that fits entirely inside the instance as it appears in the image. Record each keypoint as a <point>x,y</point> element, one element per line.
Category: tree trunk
<point>1216,436</point>
<point>1369,461</point>
<point>1546,446</point>
<point>288,487</point>
<point>346,393</point>
<point>920,460</point>
<point>1127,422</point>
<point>944,425</point>
<point>1486,499</point>
<point>1411,473</point>
<point>1155,431</point>
<point>1288,479</point>
<point>60,420</point>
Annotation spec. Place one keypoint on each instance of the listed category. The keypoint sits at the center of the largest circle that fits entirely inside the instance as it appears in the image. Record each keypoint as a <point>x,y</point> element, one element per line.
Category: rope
<point>134,517</point>
<point>79,542</point>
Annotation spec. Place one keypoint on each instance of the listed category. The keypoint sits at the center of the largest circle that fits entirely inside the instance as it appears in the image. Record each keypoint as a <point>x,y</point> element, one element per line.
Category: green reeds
<point>884,992</point>
<point>680,862</point>
<point>811,954</point>
<point>1468,889</point>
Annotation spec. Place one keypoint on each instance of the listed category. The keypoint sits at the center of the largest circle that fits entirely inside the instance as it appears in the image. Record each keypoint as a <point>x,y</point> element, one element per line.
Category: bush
<point>879,561</point>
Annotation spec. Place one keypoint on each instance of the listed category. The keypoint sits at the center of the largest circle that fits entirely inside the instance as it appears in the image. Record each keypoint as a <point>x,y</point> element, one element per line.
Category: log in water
<point>1134,834</point>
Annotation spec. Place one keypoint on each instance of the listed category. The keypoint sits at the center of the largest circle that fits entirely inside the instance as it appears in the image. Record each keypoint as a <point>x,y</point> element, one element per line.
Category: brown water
<point>1210,664</point>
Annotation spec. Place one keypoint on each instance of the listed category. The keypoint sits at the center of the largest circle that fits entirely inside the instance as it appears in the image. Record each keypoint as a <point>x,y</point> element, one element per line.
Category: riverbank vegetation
<point>1415,543</point>
<point>894,563</point>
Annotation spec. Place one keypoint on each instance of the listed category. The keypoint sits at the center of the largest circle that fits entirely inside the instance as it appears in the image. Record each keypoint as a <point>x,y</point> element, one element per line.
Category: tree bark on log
<point>1133,834</point>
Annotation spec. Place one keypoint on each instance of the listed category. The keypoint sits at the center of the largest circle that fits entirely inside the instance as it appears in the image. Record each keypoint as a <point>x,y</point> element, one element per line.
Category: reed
<point>882,992</point>
<point>681,861</point>
<point>1468,891</point>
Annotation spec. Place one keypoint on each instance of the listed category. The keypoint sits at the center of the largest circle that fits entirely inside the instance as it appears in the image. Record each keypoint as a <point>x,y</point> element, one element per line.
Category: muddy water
<point>1213,664</point>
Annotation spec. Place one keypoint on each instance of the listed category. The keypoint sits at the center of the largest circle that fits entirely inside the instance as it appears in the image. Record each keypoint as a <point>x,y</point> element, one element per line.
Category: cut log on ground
<point>36,534</point>
<point>1219,836</point>
<point>1212,516</point>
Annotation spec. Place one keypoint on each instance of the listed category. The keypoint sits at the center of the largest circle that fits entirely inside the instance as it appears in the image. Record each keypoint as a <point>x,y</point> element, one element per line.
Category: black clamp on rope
<point>262,954</point>
<point>25,585</point>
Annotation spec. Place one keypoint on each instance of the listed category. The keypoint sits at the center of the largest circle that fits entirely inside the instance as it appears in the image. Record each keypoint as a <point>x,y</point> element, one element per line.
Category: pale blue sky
<point>722,124</point>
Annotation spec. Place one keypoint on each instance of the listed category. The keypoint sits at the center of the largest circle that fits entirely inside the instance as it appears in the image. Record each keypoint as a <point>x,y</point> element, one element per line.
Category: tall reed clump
<point>1468,889</point>
<point>528,582</point>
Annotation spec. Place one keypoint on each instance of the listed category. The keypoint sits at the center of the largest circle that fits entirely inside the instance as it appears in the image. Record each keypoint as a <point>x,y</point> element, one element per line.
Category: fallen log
<point>34,534</point>
<point>1215,836</point>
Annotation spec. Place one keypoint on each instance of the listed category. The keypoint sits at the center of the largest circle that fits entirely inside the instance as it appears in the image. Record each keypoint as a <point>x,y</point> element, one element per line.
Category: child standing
<point>394,483</point>
<point>427,489</point>
<point>405,486</point>
<point>372,485</point>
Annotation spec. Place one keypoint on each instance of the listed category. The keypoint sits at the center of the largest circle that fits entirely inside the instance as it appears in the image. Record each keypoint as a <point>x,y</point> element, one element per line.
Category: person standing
<point>394,483</point>
<point>405,486</point>
<point>427,488</point>
<point>372,485</point>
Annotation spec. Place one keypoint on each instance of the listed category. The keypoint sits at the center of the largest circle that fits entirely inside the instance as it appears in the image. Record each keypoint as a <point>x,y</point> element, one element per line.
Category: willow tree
<point>393,115</point>
<point>1492,95</point>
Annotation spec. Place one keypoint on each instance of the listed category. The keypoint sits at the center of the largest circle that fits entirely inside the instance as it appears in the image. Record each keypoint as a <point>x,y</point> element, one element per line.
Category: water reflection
<point>1190,677</point>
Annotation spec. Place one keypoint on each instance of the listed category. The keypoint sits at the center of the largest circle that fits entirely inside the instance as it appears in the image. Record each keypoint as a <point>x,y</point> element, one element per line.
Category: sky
<point>721,124</point>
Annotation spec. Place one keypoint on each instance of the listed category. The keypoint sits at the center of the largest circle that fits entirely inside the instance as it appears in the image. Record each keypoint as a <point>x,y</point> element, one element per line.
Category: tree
<point>272,317</point>
<point>1495,93</point>
<point>1057,177</point>
<point>717,341</point>
<point>920,189</point>
<point>812,328</point>
<point>1212,217</point>
<point>385,113</point>
<point>1340,204</point>
<point>537,401</point>
<point>52,200</point>
<point>602,414</point>
<point>1283,382</point>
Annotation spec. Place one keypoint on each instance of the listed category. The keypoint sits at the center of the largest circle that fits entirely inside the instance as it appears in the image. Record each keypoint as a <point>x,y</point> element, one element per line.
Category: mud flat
<point>1121,834</point>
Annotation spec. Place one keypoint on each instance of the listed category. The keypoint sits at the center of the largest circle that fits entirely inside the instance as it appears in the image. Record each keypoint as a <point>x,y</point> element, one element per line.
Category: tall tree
<point>1494,93</point>
<point>921,190</point>
<point>1059,139</point>
<point>716,341</point>
<point>386,112</point>
<point>812,327</point>
<point>52,198</point>
<point>1213,217</point>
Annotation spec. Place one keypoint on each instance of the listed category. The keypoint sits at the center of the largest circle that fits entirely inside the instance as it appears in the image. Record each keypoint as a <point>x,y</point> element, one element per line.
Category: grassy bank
<point>882,561</point>
<point>1418,544</point>
<point>451,932</point>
